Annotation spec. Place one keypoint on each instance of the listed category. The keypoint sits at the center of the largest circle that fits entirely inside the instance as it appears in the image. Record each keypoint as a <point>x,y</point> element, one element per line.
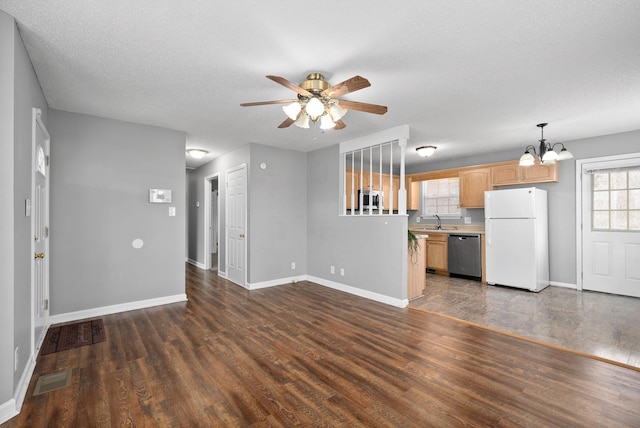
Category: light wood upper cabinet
<point>413,194</point>
<point>513,173</point>
<point>473,184</point>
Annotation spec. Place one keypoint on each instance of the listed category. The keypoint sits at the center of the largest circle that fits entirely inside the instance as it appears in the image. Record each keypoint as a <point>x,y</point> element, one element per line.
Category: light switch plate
<point>172,211</point>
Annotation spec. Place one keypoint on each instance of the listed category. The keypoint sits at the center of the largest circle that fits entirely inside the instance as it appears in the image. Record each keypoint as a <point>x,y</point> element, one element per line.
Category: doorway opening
<point>212,223</point>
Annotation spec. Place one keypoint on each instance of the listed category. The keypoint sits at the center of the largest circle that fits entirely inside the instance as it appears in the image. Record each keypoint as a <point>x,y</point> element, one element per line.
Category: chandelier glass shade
<point>545,152</point>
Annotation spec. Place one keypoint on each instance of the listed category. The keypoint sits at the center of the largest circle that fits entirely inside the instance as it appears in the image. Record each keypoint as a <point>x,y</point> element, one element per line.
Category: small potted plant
<point>413,246</point>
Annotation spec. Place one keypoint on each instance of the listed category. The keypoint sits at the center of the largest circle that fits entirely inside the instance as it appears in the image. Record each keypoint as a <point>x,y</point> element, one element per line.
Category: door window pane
<point>616,200</point>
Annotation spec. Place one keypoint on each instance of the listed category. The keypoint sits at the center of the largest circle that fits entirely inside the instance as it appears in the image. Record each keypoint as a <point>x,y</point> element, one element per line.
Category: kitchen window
<point>441,197</point>
<point>616,200</point>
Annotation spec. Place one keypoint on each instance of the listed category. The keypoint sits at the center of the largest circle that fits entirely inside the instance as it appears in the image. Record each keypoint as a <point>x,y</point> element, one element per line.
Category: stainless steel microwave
<point>371,199</point>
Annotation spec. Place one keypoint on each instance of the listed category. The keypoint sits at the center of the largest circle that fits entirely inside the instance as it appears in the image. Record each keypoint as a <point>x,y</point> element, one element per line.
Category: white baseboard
<point>196,263</point>
<point>114,309</point>
<point>23,385</point>
<point>400,303</point>
<point>8,410</point>
<point>563,284</point>
<point>275,282</point>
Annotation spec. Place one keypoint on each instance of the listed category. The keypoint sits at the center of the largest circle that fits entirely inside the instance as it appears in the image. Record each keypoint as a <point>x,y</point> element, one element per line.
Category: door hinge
<point>46,231</point>
<point>47,160</point>
<point>46,304</point>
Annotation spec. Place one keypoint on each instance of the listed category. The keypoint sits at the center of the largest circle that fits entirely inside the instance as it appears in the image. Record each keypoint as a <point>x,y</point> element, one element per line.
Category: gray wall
<point>19,92</point>
<point>27,95</point>
<point>102,171</point>
<point>562,195</point>
<point>6,209</point>
<point>371,249</point>
<point>276,207</point>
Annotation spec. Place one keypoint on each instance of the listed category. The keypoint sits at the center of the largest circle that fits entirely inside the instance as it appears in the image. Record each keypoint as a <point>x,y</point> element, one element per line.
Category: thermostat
<point>160,196</point>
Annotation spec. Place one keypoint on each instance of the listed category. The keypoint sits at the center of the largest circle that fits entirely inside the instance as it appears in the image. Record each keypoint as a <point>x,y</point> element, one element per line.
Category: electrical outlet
<point>333,269</point>
<point>341,271</point>
<point>418,219</point>
<point>293,265</point>
<point>467,220</point>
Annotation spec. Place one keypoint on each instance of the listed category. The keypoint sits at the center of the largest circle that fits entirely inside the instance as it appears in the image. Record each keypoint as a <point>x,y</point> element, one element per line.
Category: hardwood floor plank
<point>306,355</point>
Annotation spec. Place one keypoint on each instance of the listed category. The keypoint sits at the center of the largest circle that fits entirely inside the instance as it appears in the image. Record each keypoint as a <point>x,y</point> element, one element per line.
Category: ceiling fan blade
<point>350,85</point>
<point>365,107</point>
<point>339,125</point>
<point>295,88</point>
<point>264,103</point>
<point>287,123</point>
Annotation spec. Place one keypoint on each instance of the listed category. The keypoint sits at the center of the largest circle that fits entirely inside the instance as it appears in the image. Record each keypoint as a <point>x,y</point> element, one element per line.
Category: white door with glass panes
<point>611,225</point>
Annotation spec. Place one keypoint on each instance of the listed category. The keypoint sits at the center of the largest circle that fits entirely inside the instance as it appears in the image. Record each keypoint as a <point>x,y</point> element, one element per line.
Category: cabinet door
<point>370,180</point>
<point>413,194</point>
<point>505,174</point>
<point>539,173</point>
<point>473,184</point>
<point>437,254</point>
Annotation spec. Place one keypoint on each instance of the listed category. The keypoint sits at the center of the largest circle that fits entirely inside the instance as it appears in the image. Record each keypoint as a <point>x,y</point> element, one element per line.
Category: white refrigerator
<point>517,238</point>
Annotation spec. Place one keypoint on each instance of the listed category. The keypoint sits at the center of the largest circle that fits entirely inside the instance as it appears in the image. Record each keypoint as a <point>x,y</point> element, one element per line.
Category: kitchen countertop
<point>448,229</point>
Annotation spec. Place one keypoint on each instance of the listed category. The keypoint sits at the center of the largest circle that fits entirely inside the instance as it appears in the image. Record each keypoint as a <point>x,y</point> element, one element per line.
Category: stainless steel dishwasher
<point>465,255</point>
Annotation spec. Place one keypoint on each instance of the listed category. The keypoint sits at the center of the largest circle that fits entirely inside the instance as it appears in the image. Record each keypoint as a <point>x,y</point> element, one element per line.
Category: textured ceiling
<point>467,76</point>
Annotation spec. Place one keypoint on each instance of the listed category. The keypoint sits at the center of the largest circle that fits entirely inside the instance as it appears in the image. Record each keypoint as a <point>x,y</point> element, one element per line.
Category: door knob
<point>38,256</point>
<point>242,235</point>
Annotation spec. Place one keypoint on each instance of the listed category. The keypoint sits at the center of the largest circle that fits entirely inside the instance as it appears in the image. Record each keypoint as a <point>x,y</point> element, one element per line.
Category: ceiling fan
<point>318,100</point>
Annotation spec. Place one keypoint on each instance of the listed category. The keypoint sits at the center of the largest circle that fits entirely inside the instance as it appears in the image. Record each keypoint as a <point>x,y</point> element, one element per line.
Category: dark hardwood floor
<point>306,355</point>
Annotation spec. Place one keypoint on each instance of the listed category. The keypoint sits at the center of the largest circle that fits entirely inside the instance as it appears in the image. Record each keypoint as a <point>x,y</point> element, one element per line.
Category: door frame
<point>207,222</point>
<point>580,208</point>
<point>37,122</point>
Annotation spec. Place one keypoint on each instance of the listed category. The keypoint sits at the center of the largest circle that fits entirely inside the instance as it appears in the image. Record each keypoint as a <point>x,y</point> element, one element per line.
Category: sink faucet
<point>439,225</point>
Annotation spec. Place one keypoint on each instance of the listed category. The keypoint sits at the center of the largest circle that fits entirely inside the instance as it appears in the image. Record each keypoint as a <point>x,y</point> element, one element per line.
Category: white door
<point>40,231</point>
<point>610,201</point>
<point>236,219</point>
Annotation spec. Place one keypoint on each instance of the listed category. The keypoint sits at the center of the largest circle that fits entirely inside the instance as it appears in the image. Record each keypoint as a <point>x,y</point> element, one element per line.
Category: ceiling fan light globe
<point>302,121</point>
<point>314,108</point>
<point>326,122</point>
<point>337,112</point>
<point>292,110</point>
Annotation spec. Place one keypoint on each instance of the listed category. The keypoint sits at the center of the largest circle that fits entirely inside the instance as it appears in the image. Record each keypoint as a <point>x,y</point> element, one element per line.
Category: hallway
<point>599,324</point>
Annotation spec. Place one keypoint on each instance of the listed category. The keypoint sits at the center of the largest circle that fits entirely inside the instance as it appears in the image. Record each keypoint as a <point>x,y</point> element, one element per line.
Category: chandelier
<point>546,151</point>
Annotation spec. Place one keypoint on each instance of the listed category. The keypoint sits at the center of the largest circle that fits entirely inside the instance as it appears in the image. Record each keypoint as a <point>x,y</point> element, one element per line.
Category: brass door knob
<point>38,256</point>
<point>242,235</point>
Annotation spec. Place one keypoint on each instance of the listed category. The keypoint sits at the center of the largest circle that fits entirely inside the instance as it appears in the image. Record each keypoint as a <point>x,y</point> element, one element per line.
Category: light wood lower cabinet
<point>436,254</point>
<point>416,274</point>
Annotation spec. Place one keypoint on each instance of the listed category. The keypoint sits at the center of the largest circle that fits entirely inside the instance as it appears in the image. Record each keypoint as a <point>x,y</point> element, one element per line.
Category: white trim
<point>386,136</point>
<point>196,263</point>
<point>563,284</point>
<point>275,282</point>
<point>113,309</point>
<point>8,410</point>
<point>580,164</point>
<point>400,303</point>
<point>23,385</point>
<point>38,123</point>
<point>207,220</point>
